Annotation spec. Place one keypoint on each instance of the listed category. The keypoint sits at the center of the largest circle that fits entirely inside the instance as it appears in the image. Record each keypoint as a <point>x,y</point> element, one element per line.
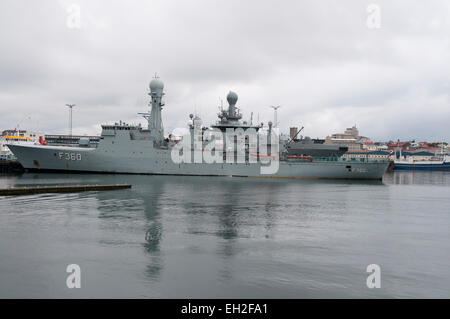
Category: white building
<point>349,138</point>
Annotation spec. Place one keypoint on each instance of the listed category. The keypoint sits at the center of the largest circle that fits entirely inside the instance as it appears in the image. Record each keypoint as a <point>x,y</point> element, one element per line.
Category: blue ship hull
<point>423,167</point>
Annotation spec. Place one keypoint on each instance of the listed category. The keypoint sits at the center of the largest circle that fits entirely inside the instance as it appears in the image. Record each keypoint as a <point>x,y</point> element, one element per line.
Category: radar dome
<point>156,86</point>
<point>232,98</point>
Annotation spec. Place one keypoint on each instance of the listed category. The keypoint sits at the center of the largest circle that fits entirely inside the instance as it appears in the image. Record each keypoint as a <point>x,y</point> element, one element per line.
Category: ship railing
<point>351,160</point>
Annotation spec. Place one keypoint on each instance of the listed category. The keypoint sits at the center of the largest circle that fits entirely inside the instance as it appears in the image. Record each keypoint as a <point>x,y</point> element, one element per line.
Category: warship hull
<point>136,157</point>
<point>131,149</point>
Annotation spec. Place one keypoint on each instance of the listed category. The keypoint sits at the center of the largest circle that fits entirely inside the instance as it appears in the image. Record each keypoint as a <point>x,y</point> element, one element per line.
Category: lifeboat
<point>263,155</point>
<point>300,157</point>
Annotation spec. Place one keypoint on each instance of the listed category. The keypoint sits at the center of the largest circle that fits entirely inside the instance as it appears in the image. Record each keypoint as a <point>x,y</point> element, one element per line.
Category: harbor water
<point>227,237</point>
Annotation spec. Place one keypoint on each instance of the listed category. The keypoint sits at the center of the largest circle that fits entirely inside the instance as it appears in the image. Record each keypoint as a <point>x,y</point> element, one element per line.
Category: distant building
<point>382,147</point>
<point>425,146</point>
<point>293,132</point>
<point>415,147</point>
<point>352,131</point>
<point>349,138</point>
<point>370,146</point>
<point>394,145</point>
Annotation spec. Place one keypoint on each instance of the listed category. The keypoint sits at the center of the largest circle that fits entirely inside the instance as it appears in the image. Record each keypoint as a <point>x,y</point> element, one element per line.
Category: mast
<point>275,115</point>
<point>70,118</point>
<point>155,123</point>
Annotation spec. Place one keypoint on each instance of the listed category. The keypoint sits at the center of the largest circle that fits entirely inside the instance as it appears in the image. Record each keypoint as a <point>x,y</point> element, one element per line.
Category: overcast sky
<point>319,60</point>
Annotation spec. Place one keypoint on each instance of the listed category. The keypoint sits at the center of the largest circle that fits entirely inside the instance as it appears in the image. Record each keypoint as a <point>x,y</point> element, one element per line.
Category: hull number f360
<point>70,156</point>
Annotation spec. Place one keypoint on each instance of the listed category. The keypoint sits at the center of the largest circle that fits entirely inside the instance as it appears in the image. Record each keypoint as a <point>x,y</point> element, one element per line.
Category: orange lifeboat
<point>300,157</point>
<point>263,155</point>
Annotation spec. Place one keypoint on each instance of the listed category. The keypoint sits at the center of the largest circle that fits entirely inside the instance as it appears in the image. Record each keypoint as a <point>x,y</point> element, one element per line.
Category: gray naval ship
<point>308,146</point>
<point>134,149</point>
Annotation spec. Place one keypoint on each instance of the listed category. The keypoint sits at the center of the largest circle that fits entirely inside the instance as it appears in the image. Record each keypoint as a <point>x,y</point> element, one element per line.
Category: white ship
<point>17,137</point>
<point>437,164</point>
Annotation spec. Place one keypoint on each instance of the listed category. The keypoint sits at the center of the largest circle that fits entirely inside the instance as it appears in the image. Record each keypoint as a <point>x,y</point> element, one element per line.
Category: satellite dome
<point>232,98</point>
<point>156,86</point>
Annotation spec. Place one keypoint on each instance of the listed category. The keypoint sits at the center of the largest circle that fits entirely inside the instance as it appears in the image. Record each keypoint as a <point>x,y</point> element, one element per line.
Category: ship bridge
<point>111,129</point>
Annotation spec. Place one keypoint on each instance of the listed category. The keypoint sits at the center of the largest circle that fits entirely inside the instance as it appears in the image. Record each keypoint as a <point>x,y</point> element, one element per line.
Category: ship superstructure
<point>125,148</point>
<point>17,137</point>
<point>436,164</point>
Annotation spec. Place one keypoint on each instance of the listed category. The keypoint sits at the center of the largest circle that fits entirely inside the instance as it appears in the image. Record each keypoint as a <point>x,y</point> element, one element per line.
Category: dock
<point>60,189</point>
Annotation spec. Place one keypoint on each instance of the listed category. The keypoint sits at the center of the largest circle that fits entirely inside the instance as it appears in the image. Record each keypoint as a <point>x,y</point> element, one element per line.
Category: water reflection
<point>417,177</point>
<point>143,201</point>
<point>231,210</point>
<point>212,214</point>
<point>201,237</point>
<point>152,202</point>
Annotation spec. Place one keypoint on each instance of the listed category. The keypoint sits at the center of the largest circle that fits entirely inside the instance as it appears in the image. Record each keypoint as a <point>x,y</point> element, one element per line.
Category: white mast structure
<point>70,118</point>
<point>275,117</point>
<point>155,123</point>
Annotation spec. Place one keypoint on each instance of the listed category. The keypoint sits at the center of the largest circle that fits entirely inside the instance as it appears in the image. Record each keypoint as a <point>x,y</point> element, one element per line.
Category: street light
<point>70,118</point>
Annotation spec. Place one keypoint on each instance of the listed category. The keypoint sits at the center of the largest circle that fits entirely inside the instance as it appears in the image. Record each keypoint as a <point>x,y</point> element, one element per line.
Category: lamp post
<point>70,119</point>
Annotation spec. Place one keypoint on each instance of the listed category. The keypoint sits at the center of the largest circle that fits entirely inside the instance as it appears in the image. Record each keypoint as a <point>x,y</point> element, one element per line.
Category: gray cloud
<point>315,58</point>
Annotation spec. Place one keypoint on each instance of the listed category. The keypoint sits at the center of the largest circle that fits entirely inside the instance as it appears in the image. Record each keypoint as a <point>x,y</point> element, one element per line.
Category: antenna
<point>275,117</point>
<point>70,118</point>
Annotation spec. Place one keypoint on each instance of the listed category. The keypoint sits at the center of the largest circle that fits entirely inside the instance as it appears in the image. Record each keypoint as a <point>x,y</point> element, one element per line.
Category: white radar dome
<point>156,86</point>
